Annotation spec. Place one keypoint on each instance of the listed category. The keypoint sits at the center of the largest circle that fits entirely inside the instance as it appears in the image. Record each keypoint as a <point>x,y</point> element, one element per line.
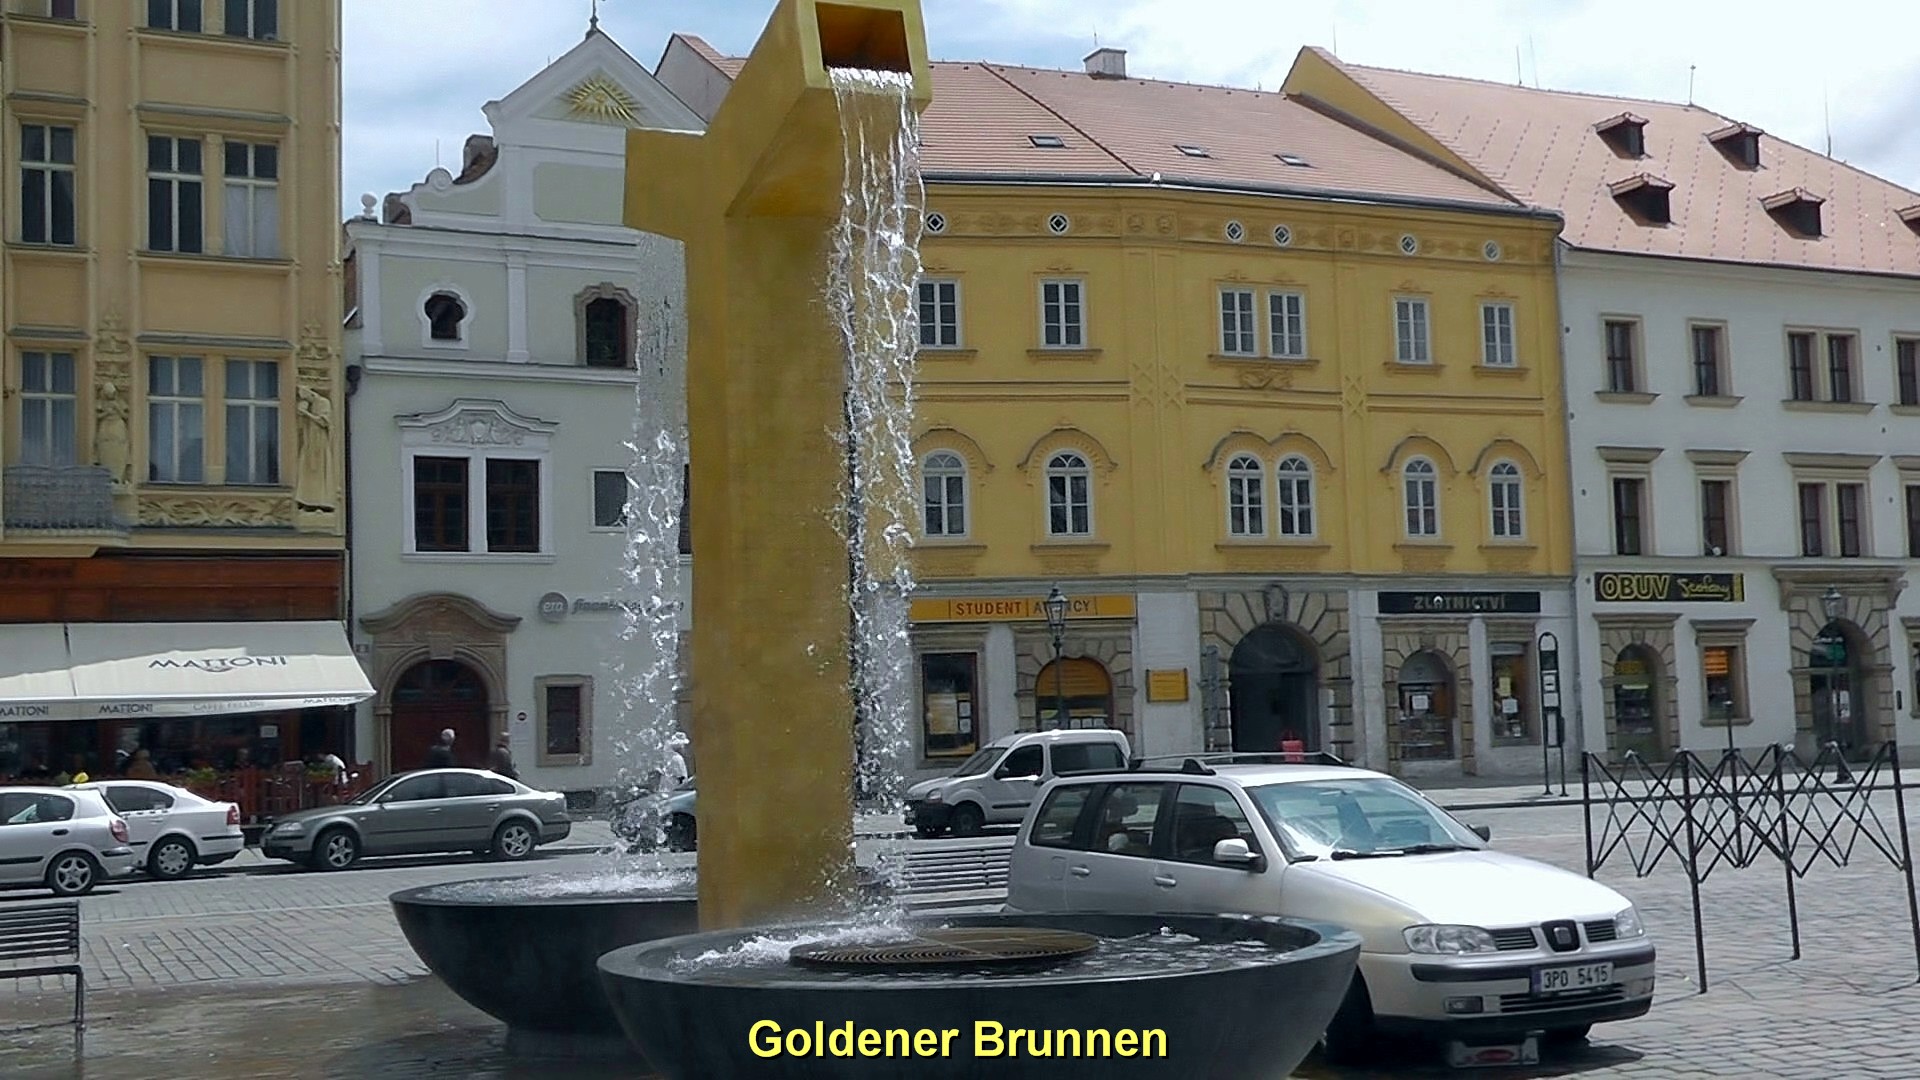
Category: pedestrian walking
<point>502,761</point>
<point>441,756</point>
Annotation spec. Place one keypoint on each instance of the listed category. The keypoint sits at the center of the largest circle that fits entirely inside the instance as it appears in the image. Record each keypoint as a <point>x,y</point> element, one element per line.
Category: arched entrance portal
<point>1636,702</point>
<point>1427,708</point>
<point>431,696</point>
<point>1274,684</point>
<point>1077,693</point>
<point>1834,685</point>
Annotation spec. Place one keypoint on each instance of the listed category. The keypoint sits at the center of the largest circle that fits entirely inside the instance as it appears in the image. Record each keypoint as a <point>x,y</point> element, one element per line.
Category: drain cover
<point>958,947</point>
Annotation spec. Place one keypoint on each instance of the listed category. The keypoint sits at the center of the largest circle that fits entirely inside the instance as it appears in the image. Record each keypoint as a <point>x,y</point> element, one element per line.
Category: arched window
<point>606,333</point>
<point>1069,495</point>
<point>446,317</point>
<point>1246,497</point>
<point>944,504</point>
<point>1296,497</point>
<point>1503,492</point>
<point>1422,498</point>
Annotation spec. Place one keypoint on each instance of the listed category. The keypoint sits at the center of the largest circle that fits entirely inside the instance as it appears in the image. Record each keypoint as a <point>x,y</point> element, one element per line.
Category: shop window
<point>566,704</point>
<point>1636,711</point>
<point>949,704</point>
<point>1724,673</point>
<point>1426,708</point>
<point>1074,692</point>
<point>1513,697</point>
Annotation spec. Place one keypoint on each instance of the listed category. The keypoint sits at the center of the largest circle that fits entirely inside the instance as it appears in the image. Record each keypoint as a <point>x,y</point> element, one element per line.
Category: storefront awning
<point>98,671</point>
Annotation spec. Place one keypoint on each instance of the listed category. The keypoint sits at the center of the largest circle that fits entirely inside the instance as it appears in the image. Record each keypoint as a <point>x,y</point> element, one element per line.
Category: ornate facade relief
<point>436,626</point>
<point>1319,615</point>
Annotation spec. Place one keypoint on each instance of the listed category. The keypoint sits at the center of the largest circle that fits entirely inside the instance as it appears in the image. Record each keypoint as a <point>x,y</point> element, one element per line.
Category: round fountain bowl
<point>1229,997</point>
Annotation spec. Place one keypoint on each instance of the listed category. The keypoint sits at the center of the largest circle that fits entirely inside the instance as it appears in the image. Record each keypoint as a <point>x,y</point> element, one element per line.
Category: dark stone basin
<point>1237,998</point>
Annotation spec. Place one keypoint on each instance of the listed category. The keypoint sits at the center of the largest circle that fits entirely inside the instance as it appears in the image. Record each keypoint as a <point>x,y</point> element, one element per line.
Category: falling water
<point>872,274</point>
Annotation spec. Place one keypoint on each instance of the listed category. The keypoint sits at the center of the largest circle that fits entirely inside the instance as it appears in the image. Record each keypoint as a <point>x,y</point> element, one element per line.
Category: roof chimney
<point>1107,63</point>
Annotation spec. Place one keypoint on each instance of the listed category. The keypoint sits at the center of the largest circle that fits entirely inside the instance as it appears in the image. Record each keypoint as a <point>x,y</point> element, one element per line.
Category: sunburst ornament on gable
<point>598,98</point>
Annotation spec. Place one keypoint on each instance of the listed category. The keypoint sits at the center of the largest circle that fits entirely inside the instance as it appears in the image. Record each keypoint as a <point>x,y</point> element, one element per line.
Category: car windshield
<point>1363,817</point>
<point>980,762</point>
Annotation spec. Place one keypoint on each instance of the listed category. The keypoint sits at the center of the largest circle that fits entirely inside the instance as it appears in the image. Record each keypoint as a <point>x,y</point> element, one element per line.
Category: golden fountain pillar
<point>755,199</point>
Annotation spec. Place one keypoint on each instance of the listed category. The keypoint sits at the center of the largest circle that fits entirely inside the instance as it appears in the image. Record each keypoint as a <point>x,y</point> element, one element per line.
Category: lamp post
<point>1056,609</point>
<point>1832,603</point>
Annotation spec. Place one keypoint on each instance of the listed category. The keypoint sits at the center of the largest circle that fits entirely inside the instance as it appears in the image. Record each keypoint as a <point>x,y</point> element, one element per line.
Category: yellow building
<point>1273,401</point>
<point>173,383</point>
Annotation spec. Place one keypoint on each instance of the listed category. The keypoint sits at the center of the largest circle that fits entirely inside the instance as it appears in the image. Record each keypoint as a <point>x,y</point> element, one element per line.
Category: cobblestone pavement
<point>268,973</point>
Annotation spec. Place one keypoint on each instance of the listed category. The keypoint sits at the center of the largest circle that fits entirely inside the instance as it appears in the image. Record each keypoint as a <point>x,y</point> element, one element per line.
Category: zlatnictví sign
<point>1616,587</point>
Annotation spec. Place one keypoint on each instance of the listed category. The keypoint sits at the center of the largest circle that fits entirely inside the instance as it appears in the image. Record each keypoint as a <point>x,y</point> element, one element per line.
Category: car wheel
<point>336,849</point>
<point>170,859</point>
<point>73,873</point>
<point>925,832</point>
<point>1567,1036</point>
<point>1349,1037</point>
<point>513,841</point>
<point>682,832</point>
<point>967,820</point>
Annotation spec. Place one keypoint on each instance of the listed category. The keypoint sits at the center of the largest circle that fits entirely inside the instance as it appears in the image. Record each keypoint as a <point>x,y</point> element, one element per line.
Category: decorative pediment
<point>476,423</point>
<point>601,100</point>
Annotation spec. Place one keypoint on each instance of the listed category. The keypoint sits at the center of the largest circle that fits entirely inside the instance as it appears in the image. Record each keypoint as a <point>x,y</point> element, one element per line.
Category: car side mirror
<point>1235,852</point>
<point>1484,832</point>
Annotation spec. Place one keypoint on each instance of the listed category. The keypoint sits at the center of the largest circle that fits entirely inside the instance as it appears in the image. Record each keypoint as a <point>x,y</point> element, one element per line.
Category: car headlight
<point>932,796</point>
<point>1627,924</point>
<point>1450,940</point>
<point>289,828</point>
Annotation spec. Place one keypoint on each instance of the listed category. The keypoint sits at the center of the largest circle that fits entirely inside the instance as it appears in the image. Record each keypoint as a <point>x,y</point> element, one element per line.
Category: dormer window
<point>1191,150</point>
<point>1797,210</point>
<point>1047,142</point>
<point>1911,216</point>
<point>1740,143</point>
<point>1645,196</point>
<point>1625,133</point>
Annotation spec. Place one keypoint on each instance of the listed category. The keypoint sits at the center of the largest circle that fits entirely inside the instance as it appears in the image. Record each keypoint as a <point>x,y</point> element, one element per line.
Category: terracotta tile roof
<point>1542,147</point>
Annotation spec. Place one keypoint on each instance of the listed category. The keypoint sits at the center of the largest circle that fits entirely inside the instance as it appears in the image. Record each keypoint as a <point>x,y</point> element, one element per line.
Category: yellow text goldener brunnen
<point>991,1039</point>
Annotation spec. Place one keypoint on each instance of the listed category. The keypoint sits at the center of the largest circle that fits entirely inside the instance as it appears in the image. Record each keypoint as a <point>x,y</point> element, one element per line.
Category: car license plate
<point>1553,980</point>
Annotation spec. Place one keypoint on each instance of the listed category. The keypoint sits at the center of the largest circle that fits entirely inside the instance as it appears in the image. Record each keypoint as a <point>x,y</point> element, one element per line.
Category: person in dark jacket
<point>502,760</point>
<point>441,756</point>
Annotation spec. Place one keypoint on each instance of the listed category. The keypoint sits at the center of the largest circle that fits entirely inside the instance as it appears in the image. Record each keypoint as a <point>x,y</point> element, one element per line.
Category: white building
<point>496,317</point>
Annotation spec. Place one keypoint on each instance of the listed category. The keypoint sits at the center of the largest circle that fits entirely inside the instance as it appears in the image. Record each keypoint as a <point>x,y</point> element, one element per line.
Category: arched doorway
<point>1273,681</point>
<point>1636,703</point>
<point>1427,708</point>
<point>1077,693</point>
<point>431,696</point>
<point>1834,686</point>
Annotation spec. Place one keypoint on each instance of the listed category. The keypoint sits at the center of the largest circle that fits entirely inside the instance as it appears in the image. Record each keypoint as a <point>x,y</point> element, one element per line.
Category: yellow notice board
<point>1167,685</point>
<point>1019,608</point>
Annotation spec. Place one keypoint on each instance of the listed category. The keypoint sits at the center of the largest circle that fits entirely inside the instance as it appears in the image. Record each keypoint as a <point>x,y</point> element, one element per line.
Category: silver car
<point>66,839</point>
<point>425,811</point>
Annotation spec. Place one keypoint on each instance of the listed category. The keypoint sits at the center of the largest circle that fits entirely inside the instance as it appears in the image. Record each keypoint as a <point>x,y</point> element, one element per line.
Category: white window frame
<point>931,470</point>
<point>1412,331</point>
<point>262,239</point>
<point>258,410</point>
<point>1287,329</point>
<point>593,511</point>
<point>177,404</point>
<point>1075,329</point>
<point>939,304</point>
<point>427,340</point>
<point>1421,471</point>
<point>48,399</point>
<point>1068,466</point>
<point>1239,325</point>
<point>41,171</point>
<point>434,435</point>
<point>252,8</point>
<point>175,178</point>
<point>1246,497</point>
<point>1289,485</point>
<point>1499,346</point>
<point>173,21</point>
<point>1508,511</point>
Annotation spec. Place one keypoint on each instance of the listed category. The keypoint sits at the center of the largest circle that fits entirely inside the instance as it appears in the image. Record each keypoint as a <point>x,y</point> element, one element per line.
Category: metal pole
<point>1786,849</point>
<point>1546,767</point>
<point>1059,681</point>
<point>1561,719</point>
<point>1693,870</point>
<point>1586,806</point>
<point>1906,846</point>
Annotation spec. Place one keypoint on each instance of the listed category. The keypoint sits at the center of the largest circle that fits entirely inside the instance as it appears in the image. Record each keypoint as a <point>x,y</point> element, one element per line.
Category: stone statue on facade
<point>313,485</point>
<point>112,448</point>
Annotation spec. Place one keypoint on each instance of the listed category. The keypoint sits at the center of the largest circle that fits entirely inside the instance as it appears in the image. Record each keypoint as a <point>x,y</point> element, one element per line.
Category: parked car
<point>1461,942</point>
<point>632,821</point>
<point>67,839</point>
<point>425,811</point>
<point>996,785</point>
<point>171,829</point>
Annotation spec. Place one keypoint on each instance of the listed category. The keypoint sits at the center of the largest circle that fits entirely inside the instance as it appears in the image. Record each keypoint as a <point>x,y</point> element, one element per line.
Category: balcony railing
<point>64,498</point>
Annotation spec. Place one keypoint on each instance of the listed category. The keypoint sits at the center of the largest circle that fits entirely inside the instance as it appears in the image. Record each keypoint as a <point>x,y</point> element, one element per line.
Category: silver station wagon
<point>425,811</point>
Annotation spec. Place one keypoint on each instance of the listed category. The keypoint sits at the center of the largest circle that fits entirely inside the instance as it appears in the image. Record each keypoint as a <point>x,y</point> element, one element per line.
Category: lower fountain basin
<point>1230,997</point>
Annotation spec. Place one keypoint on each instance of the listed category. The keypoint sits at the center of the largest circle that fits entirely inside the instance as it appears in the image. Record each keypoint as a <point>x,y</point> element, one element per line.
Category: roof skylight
<point>1191,150</point>
<point>1294,160</point>
<point>1047,142</point>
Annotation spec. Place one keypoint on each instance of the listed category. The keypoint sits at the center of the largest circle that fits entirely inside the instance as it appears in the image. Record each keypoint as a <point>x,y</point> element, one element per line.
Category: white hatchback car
<point>1461,942</point>
<point>65,839</point>
<point>172,830</point>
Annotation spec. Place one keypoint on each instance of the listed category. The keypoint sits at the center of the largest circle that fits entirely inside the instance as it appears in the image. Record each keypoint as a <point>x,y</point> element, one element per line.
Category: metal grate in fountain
<point>968,947</point>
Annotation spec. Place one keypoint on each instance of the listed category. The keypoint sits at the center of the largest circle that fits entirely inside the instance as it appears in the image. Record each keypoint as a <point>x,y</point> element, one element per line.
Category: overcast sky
<point>418,73</point>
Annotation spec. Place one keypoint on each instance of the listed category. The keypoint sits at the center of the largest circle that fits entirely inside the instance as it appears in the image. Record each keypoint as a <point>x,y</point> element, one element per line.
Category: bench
<point>43,932</point>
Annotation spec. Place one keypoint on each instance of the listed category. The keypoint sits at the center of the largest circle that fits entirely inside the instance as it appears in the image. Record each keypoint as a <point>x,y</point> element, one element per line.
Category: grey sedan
<point>425,811</point>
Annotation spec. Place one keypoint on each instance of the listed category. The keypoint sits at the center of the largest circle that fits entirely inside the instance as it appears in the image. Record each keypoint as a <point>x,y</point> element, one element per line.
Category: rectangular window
<point>253,200</point>
<point>609,499</point>
<point>1287,324</point>
<point>46,184</point>
<point>1629,510</point>
<point>1512,694</point>
<point>439,504</point>
<point>181,15</point>
<point>1411,345</point>
<point>949,704</point>
<point>1496,335</point>
<point>563,721</point>
<point>1800,366</point>
<point>1706,362</point>
<point>1813,519</point>
<point>1906,352</point>
<point>1062,315</point>
<point>513,505</point>
<point>1839,367</point>
<point>48,409</point>
<point>1069,503</point>
<point>1913,521</point>
<point>1421,500</point>
<point>63,9</point>
<point>176,420</point>
<point>1246,502</point>
<point>1849,500</point>
<point>1623,369</point>
<point>1716,497</point>
<point>1236,323</point>
<point>1726,696</point>
<point>939,314</point>
<point>173,194</point>
<point>253,422</point>
<point>256,19</point>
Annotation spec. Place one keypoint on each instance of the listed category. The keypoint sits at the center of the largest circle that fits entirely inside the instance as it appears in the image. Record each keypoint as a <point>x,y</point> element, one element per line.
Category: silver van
<point>997,784</point>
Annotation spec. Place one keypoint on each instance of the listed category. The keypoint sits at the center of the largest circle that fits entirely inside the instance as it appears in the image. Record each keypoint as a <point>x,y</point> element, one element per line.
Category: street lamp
<point>1833,603</point>
<point>1056,610</point>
